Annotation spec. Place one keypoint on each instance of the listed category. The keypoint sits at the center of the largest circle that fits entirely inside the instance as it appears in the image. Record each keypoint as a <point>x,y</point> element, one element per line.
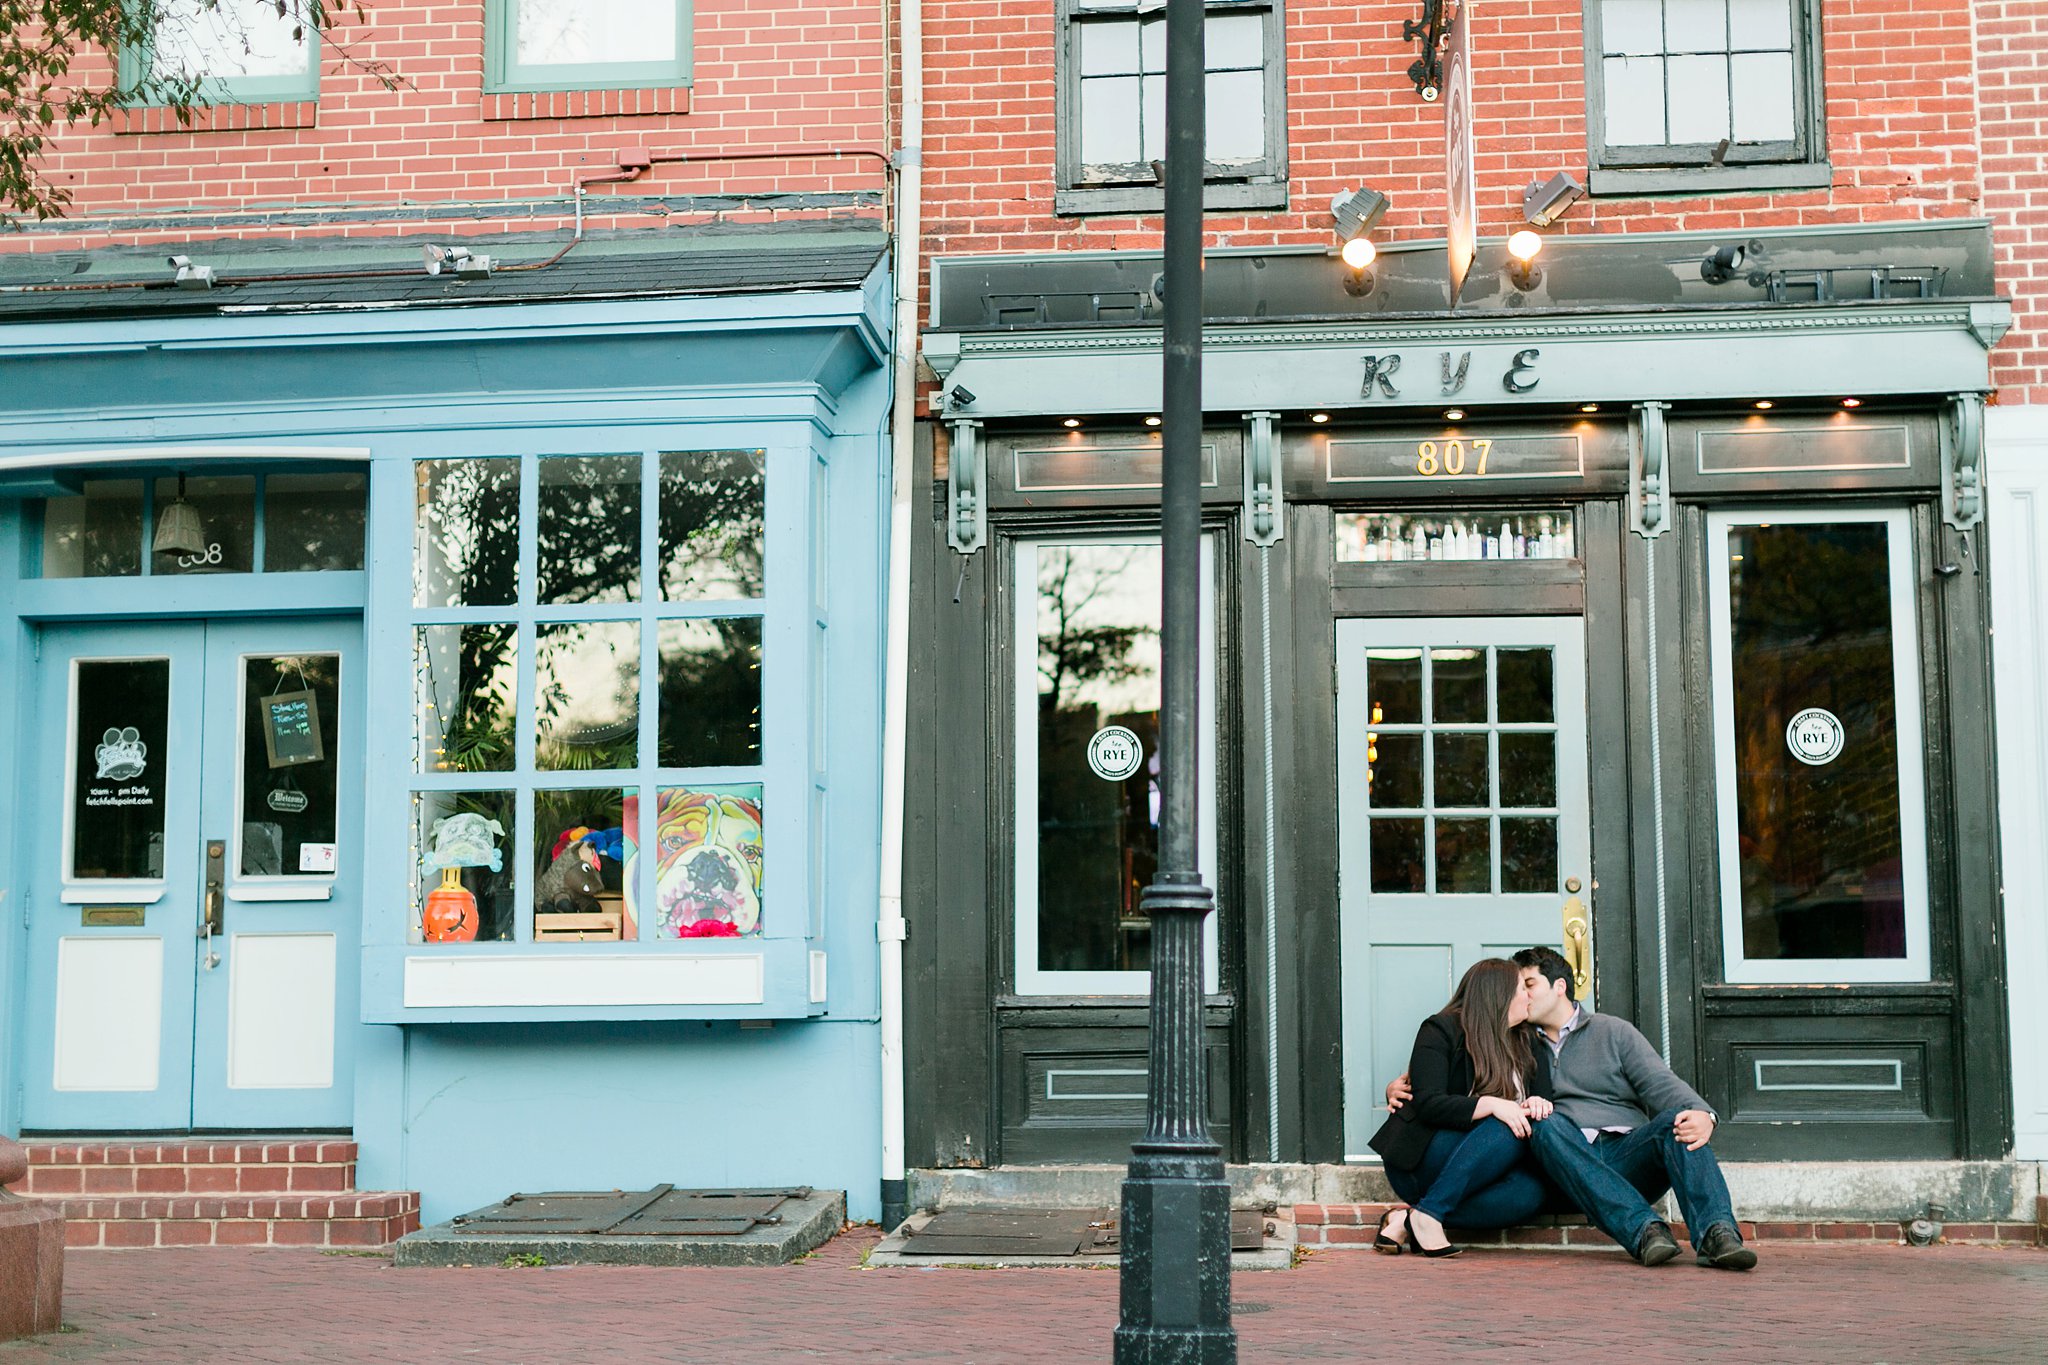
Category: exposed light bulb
<point>1359,252</point>
<point>1524,245</point>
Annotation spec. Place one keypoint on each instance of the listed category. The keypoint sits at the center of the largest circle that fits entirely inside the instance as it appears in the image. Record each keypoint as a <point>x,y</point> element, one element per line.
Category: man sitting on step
<point>1625,1129</point>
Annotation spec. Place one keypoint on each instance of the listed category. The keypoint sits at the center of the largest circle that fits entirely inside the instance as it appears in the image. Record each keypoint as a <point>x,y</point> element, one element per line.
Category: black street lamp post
<point>1176,1198</point>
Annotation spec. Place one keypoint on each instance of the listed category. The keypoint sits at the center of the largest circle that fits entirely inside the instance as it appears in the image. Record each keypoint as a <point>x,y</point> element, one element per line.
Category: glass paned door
<point>193,933</point>
<point>1462,819</point>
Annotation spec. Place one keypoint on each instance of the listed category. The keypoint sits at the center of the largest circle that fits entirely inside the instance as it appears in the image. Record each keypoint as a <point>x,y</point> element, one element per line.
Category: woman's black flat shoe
<point>1383,1244</point>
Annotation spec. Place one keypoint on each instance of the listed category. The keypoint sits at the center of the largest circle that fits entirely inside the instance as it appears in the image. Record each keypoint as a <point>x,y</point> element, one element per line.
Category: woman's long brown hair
<point>1500,1055</point>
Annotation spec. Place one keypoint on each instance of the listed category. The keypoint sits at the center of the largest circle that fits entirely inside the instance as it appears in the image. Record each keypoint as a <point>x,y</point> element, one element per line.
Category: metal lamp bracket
<point>1427,70</point>
<point>1962,462</point>
<point>1263,522</point>
<point>1649,483</point>
<point>966,488</point>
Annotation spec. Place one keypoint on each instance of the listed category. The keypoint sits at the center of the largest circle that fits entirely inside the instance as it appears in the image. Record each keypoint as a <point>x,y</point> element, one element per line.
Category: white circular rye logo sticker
<point>1115,753</point>
<point>1814,736</point>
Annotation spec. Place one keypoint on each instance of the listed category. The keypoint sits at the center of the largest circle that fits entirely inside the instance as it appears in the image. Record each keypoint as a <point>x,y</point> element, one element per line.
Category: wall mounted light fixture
<point>1523,247</point>
<point>190,276</point>
<point>1545,201</point>
<point>178,529</point>
<point>1733,259</point>
<point>1354,213</point>
<point>458,259</point>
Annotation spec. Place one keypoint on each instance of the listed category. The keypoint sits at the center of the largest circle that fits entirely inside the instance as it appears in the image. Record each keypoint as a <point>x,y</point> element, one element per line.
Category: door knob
<point>1578,939</point>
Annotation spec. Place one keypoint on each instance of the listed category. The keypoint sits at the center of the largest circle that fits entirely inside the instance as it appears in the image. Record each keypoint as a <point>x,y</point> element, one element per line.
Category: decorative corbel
<point>1263,501</point>
<point>1962,462</point>
<point>966,487</point>
<point>1649,484</point>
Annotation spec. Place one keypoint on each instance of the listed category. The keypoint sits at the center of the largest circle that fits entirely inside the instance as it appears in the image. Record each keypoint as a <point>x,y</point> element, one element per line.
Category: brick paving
<point>1805,1303</point>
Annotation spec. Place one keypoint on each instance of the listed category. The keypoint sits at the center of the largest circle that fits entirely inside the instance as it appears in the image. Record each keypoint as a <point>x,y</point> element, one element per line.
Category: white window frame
<point>1909,706</point>
<point>1030,978</point>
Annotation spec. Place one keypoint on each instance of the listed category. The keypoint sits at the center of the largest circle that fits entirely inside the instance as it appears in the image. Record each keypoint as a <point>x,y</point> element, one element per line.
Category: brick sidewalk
<point>1867,1303</point>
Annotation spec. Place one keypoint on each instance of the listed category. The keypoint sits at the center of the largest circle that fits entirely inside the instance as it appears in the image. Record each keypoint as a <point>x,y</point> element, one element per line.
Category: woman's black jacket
<point>1440,1072</point>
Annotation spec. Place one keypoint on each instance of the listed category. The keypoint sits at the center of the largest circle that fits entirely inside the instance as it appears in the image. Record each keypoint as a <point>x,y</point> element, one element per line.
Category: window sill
<point>1152,199</point>
<point>1649,180</point>
<point>216,118</point>
<point>509,105</point>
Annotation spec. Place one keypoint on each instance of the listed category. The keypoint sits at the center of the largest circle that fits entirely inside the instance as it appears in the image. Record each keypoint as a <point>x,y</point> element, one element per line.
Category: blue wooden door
<point>194,921</point>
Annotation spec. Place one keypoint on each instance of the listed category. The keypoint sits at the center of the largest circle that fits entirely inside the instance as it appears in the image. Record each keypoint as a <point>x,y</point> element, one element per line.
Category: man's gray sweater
<point>1607,1075</point>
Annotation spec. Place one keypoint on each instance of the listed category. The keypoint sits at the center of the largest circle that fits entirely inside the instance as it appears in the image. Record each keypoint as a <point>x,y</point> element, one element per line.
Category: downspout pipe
<point>890,928</point>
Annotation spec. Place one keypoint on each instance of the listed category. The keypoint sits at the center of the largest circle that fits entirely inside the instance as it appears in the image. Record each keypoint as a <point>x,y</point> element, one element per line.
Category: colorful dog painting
<point>708,864</point>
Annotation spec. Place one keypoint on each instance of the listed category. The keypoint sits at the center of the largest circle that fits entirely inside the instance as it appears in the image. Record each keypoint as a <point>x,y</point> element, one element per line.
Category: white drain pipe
<point>889,927</point>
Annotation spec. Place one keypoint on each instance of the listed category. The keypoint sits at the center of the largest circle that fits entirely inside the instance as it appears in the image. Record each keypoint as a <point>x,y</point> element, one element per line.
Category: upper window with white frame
<point>1112,91</point>
<point>1819,770</point>
<point>238,52</point>
<point>1697,92</point>
<point>573,45</point>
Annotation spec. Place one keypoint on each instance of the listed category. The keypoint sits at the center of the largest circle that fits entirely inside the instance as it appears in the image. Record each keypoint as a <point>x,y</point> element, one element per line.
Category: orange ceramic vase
<point>450,916</point>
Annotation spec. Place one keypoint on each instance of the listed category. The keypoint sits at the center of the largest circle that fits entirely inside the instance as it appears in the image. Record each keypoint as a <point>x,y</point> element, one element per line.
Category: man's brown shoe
<point>1656,1245</point>
<point>1722,1249</point>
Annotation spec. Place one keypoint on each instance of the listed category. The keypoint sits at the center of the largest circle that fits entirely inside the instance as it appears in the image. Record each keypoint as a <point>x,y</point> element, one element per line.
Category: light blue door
<point>194,931</point>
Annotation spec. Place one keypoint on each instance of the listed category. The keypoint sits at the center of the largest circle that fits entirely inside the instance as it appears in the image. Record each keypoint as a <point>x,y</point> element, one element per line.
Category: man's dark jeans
<point>1484,1178</point>
<point>1615,1178</point>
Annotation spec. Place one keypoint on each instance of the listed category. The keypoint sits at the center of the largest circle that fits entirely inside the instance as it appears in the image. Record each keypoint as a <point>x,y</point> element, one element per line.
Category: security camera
<point>1724,263</point>
<point>1544,201</point>
<point>959,396</point>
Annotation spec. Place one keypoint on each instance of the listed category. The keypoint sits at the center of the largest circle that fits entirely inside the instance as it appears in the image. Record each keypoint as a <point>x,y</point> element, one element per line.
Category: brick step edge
<point>64,1182</point>
<point>272,1207</point>
<point>195,1152</point>
<point>88,1234</point>
<point>1353,1225</point>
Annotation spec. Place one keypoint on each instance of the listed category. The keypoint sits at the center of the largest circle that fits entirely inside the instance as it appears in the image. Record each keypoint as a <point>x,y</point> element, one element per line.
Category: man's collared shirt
<point>1566,1030</point>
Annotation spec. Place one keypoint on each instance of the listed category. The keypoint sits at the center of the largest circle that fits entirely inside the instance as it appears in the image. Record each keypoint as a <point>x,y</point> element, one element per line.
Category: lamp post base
<point>1176,1300</point>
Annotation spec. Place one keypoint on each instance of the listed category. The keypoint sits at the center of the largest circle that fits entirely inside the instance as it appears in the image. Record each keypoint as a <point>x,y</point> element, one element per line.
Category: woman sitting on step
<point>1457,1151</point>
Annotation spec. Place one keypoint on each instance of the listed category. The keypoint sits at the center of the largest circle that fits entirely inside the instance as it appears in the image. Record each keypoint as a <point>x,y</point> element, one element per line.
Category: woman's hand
<point>1507,1111</point>
<point>1537,1108</point>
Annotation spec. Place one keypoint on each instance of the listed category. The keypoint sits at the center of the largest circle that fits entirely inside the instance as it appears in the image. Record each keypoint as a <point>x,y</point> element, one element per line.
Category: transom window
<point>572,45</point>
<point>166,525</point>
<point>240,51</point>
<point>1710,84</point>
<point>587,640</point>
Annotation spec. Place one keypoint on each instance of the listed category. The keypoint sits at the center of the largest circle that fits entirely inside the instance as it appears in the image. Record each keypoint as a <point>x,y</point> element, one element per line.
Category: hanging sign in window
<point>291,729</point>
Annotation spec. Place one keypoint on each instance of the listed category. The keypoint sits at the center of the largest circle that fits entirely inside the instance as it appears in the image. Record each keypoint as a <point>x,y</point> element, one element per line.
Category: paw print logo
<point>122,754</point>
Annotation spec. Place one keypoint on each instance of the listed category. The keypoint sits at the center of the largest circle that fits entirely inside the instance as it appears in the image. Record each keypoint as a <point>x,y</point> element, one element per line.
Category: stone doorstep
<point>1353,1226</point>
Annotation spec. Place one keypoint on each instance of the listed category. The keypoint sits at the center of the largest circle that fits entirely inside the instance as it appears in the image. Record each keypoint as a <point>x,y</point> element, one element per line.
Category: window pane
<point>1699,98</point>
<point>1634,101</point>
<point>1235,116</point>
<point>227,38</point>
<point>1109,49</point>
<point>1393,773</point>
<point>1528,769</point>
<point>1397,537</point>
<point>1763,97</point>
<point>713,517</point>
<point>1464,857</point>
<point>710,703</point>
<point>1152,117</point>
<point>1524,687</point>
<point>1695,26</point>
<point>464,681</point>
<point>121,720</point>
<point>466,533</point>
<point>1458,684</point>
<point>1397,863</point>
<point>1760,24</point>
<point>571,33</point>
<point>707,879</point>
<point>1152,44</point>
<point>587,695</point>
<point>96,533</point>
<point>583,843</point>
<point>462,843</point>
<point>219,516</point>
<point>1394,682</point>
<point>588,546</point>
<point>1819,843</point>
<point>1109,121</point>
<point>313,522</point>
<point>1631,26</point>
<point>1461,770</point>
<point>1528,855</point>
<point>290,756</point>
<point>1234,41</point>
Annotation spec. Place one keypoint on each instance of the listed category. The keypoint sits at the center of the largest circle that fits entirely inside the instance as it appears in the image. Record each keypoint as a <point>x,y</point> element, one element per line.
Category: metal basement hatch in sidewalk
<point>661,1226</point>
<point>1027,1236</point>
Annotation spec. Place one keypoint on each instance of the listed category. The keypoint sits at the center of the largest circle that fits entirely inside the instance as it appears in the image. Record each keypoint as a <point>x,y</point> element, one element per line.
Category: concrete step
<point>1353,1225</point>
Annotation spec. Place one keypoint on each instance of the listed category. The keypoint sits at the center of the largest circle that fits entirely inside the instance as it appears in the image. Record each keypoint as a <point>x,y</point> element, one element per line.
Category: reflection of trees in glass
<point>588,541</point>
<point>1075,646</point>
<point>587,695</point>
<point>467,727</point>
<point>313,522</point>
<point>467,540</point>
<point>713,523</point>
<point>710,692</point>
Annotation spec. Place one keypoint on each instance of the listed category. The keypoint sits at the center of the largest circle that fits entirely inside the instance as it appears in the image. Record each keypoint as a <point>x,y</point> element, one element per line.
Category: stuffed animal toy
<point>571,882</point>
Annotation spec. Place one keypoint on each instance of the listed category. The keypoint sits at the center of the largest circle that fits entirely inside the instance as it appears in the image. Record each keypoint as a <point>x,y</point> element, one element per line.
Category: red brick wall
<point>2012,97</point>
<point>768,73</point>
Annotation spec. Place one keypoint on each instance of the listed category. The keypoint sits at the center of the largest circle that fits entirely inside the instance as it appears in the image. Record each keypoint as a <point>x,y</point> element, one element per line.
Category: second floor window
<point>1706,85</point>
<point>1112,124</point>
<point>242,51</point>
<point>574,45</point>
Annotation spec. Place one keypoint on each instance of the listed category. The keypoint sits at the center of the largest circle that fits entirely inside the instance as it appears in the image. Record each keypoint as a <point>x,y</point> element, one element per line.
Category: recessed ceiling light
<point>1151,421</point>
<point>1071,423</point>
<point>1454,414</point>
<point>1589,407</point>
<point>1764,405</point>
<point>1319,417</point>
<point>1852,402</point>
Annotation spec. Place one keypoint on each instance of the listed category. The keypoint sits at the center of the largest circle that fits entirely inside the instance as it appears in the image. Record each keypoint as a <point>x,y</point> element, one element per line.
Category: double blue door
<point>194,924</point>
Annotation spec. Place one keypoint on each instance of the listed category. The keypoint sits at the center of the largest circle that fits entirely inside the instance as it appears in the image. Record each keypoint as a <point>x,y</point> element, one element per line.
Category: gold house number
<point>1434,458</point>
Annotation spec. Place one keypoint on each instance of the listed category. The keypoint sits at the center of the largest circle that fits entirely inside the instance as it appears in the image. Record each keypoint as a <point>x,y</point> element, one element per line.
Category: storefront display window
<point>181,524</point>
<point>1818,747</point>
<point>591,570</point>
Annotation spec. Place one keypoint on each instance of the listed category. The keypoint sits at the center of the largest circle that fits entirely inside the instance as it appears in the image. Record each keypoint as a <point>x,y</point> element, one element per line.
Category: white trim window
<point>1817,746</point>
<point>1087,652</point>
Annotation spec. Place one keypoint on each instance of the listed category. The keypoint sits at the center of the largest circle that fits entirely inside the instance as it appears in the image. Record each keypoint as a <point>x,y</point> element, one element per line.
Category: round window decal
<point>1814,736</point>
<point>1115,753</point>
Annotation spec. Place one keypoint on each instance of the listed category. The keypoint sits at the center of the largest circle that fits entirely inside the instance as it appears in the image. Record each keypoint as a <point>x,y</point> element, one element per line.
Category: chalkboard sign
<point>291,729</point>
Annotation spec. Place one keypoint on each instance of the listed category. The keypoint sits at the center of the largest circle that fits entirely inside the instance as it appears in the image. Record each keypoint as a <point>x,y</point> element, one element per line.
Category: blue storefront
<point>446,708</point>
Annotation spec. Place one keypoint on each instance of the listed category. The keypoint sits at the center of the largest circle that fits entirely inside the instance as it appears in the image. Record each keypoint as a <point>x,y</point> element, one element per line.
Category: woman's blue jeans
<point>1484,1178</point>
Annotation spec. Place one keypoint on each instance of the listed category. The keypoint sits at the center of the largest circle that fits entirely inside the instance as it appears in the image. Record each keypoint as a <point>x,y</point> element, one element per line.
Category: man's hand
<point>1693,1128</point>
<point>1537,1108</point>
<point>1399,1092</point>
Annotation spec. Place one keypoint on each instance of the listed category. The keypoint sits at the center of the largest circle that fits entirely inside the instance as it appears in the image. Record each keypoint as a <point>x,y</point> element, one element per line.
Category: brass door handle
<point>212,911</point>
<point>1578,939</point>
